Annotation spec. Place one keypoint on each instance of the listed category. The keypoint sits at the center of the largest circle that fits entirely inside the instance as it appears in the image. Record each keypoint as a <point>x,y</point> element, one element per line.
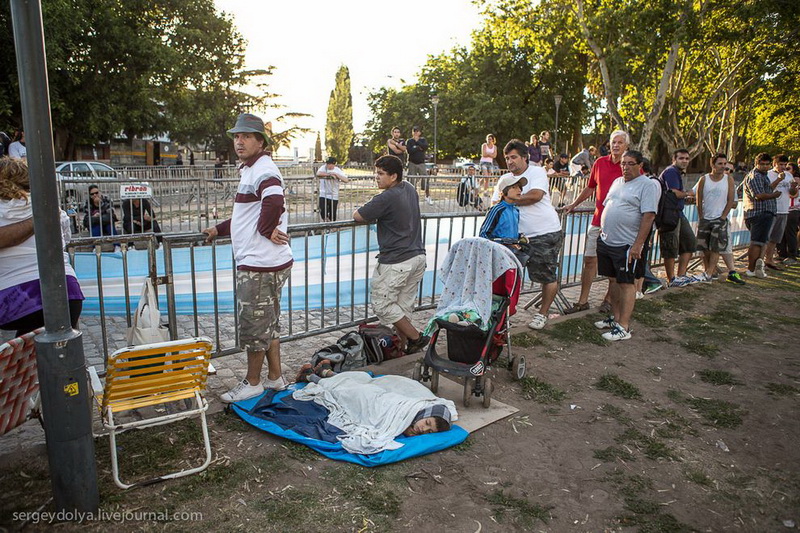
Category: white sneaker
<point>429,200</point>
<point>539,321</point>
<point>606,323</point>
<point>242,391</point>
<point>117,249</point>
<point>760,273</point>
<point>639,295</point>
<point>276,384</point>
<point>749,274</point>
<point>617,333</point>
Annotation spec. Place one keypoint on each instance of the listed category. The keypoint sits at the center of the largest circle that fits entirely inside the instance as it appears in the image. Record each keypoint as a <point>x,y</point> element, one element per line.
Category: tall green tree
<point>137,68</point>
<point>502,83</point>
<point>339,126</point>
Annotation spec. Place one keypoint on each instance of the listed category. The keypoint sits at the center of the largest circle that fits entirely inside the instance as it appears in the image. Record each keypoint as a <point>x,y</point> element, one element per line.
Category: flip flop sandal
<point>577,308</point>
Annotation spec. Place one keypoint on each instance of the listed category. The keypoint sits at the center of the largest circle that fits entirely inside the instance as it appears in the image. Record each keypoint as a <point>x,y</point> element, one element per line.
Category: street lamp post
<point>435,102</point>
<point>557,98</point>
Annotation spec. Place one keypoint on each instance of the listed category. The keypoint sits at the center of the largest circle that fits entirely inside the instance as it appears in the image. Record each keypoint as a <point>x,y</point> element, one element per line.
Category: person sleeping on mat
<point>373,411</point>
<point>433,419</point>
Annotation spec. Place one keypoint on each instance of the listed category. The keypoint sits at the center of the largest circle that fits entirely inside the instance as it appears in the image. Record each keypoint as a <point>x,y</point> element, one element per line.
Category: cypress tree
<point>339,126</point>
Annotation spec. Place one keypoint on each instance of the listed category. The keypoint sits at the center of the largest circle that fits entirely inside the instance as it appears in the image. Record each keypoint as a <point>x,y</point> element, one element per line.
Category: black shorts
<point>614,262</point>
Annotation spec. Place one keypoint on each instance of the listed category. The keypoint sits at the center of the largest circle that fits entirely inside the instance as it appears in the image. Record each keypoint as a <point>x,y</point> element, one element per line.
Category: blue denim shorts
<point>759,226</point>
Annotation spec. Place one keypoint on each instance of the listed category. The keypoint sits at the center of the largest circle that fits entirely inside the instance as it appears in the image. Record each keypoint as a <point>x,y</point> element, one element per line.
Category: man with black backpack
<point>680,242</point>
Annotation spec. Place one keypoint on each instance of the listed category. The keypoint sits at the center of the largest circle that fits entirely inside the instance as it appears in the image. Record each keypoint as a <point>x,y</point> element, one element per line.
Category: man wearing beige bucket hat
<point>263,257</point>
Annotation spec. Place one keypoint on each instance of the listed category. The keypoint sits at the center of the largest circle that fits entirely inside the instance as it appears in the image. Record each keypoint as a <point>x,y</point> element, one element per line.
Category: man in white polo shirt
<point>539,222</point>
<point>262,254</point>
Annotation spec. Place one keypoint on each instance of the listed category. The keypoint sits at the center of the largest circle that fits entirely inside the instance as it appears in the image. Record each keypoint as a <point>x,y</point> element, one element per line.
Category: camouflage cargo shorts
<point>259,303</point>
<point>543,262</point>
<point>712,235</point>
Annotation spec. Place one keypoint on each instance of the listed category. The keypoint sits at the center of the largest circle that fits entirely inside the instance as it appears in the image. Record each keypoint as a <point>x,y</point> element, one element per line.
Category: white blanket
<point>371,411</point>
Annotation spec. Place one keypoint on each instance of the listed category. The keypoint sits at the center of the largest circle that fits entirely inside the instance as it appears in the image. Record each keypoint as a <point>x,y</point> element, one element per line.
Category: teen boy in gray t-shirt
<point>401,262</point>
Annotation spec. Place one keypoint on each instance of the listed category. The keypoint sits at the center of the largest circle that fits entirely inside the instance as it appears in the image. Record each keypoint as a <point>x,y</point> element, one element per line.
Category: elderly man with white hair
<point>604,171</point>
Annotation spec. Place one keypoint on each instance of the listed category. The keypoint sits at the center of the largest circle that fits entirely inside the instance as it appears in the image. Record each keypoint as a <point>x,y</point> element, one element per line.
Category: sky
<point>382,43</point>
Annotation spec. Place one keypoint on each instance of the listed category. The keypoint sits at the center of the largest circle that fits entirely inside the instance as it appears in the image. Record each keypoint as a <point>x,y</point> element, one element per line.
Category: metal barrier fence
<point>187,199</point>
<point>328,288</point>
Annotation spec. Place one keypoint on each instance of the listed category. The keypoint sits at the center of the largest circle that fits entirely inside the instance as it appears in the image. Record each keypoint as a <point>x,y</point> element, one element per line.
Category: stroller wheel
<point>434,381</point>
<point>417,374</point>
<point>488,389</point>
<point>468,384</point>
<point>518,367</point>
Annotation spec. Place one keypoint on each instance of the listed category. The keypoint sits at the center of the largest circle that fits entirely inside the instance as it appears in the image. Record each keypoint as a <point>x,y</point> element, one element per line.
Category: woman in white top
<point>716,197</point>
<point>20,292</point>
<point>489,155</point>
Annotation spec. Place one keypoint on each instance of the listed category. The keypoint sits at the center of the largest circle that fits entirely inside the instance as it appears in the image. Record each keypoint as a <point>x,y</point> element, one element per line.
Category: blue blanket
<point>306,423</point>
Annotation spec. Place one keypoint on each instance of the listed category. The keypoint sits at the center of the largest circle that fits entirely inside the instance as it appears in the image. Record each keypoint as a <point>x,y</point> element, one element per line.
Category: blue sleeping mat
<point>306,422</point>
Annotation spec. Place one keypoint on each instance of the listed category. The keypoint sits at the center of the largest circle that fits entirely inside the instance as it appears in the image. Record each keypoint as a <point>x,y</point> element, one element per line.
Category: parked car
<point>88,171</point>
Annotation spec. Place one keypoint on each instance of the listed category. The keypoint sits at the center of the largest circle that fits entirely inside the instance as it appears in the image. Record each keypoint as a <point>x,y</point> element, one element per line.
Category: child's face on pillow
<point>421,427</point>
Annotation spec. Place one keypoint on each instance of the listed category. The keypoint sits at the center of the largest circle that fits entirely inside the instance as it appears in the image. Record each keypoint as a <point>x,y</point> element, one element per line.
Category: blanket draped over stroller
<point>371,411</point>
<point>468,273</point>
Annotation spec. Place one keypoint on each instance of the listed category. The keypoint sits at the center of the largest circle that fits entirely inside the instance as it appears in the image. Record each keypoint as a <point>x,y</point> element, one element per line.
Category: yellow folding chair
<point>150,375</point>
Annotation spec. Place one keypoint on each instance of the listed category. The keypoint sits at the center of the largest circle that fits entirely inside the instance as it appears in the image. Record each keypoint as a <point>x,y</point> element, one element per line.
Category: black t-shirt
<point>416,150</point>
<point>396,211</point>
<point>558,166</point>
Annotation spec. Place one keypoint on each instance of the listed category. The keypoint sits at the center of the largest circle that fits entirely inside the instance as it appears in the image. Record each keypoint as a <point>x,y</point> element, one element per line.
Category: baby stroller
<point>482,281</point>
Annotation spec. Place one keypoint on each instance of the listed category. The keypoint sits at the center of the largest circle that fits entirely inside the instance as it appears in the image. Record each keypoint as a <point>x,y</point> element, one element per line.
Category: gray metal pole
<point>61,363</point>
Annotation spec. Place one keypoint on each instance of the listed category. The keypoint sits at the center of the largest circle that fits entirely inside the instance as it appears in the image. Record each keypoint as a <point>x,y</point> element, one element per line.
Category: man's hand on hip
<point>279,237</point>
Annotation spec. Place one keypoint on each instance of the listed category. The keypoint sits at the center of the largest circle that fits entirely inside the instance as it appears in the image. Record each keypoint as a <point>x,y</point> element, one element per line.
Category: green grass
<point>575,331</point>
<point>650,312</point>
<point>618,387</point>
<point>651,447</point>
<point>526,340</point>
<point>612,453</point>
<point>540,391</point>
<point>670,424</point>
<point>702,348</point>
<point>526,512</point>
<point>779,389</point>
<point>699,477</point>
<point>616,413</point>
<point>718,377</point>
<point>719,413</point>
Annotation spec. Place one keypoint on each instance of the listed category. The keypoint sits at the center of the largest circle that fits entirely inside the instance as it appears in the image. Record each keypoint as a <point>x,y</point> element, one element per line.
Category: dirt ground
<point>690,426</point>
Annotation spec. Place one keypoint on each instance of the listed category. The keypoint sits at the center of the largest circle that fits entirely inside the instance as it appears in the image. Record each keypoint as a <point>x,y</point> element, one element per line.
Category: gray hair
<point>617,133</point>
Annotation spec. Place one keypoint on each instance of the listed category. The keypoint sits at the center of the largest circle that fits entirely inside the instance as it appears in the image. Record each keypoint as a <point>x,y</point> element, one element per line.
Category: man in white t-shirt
<point>783,183</point>
<point>539,222</point>
<point>329,178</point>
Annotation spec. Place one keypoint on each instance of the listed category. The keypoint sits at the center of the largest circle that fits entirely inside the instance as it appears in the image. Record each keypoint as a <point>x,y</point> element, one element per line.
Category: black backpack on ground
<point>669,212</point>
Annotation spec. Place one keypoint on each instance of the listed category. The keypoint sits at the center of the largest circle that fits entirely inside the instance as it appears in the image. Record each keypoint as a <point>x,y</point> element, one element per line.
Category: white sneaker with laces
<point>760,272</point>
<point>243,391</point>
<point>606,323</point>
<point>276,384</point>
<point>617,333</point>
<point>539,321</point>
